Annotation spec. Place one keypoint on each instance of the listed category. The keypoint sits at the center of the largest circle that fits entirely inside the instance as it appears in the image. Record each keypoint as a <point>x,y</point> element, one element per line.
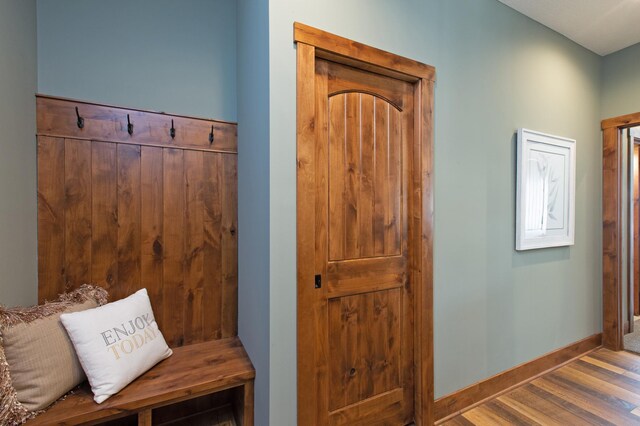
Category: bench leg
<point>144,418</point>
<point>248,404</point>
<point>243,404</point>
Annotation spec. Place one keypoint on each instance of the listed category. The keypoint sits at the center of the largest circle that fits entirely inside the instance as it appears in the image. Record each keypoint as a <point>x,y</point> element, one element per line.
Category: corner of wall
<point>253,194</point>
<point>18,84</point>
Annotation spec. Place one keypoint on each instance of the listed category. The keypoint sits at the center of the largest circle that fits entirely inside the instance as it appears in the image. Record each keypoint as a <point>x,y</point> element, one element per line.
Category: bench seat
<point>192,371</point>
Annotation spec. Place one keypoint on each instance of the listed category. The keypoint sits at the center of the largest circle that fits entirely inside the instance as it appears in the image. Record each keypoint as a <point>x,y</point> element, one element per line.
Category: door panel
<point>365,329</point>
<point>364,348</point>
<point>364,177</point>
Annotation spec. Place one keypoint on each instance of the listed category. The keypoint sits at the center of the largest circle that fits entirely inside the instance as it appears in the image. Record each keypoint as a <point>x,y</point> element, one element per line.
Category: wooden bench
<point>196,377</point>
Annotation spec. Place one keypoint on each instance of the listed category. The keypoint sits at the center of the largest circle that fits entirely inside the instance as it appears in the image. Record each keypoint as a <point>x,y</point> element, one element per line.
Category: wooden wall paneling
<point>56,116</point>
<point>104,215</point>
<point>152,224</point>
<point>173,270</point>
<point>213,245</point>
<point>51,218</point>
<point>229,242</point>
<point>194,243</point>
<point>138,213</point>
<point>77,185</point>
<point>129,221</point>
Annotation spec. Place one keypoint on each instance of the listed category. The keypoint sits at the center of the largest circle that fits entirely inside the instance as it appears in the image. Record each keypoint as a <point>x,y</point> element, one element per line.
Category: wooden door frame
<point>612,185</point>
<point>636,228</point>
<point>313,43</point>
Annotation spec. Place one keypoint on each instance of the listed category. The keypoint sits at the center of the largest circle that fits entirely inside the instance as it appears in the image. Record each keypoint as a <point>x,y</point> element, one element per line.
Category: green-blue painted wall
<point>165,55</point>
<point>621,82</point>
<point>18,79</point>
<point>497,71</point>
<point>253,193</point>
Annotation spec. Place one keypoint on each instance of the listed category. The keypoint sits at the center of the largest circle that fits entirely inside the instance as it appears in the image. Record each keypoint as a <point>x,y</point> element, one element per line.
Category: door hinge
<point>318,281</point>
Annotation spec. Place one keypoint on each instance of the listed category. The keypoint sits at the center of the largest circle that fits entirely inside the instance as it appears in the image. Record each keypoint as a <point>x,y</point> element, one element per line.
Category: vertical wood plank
<point>337,167</point>
<point>636,227</point>
<point>101,217</point>
<point>611,241</point>
<point>394,221</point>
<point>104,215</point>
<point>367,177</point>
<point>77,213</point>
<point>212,297</point>
<point>382,192</point>
<point>407,302</point>
<point>129,215</point>
<point>321,163</point>
<point>247,415</point>
<point>151,226</point>
<point>145,418</point>
<point>352,175</point>
<point>424,257</point>
<point>229,247</point>
<point>194,242</point>
<point>173,231</point>
<point>51,218</point>
<point>309,390</point>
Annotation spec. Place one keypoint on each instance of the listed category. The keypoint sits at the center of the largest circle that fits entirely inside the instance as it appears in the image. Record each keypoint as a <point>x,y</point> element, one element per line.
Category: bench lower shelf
<point>195,379</point>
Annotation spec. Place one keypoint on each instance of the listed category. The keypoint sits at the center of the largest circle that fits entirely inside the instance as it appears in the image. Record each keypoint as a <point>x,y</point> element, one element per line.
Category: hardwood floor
<point>601,388</point>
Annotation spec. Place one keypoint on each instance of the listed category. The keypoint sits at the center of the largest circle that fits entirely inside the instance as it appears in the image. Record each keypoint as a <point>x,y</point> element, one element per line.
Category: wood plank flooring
<point>600,388</point>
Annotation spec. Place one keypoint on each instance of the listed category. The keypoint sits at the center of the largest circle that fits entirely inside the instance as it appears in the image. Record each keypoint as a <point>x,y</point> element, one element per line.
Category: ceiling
<point>602,26</point>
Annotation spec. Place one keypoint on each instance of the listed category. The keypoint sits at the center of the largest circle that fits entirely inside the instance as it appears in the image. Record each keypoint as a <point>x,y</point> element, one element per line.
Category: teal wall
<point>621,82</point>
<point>253,193</point>
<point>168,55</point>
<point>497,71</point>
<point>18,79</point>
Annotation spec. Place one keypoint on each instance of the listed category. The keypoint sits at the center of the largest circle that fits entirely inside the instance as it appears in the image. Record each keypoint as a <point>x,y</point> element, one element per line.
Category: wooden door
<point>364,127</point>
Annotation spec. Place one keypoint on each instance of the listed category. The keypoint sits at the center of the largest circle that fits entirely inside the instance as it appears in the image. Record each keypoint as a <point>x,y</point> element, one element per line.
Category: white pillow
<point>116,342</point>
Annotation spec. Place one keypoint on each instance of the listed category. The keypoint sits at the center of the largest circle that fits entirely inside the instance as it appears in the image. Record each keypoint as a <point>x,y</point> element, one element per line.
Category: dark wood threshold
<point>455,403</point>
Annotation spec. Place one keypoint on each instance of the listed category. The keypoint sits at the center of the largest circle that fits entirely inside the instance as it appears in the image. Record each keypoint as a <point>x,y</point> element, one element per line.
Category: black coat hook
<point>129,125</point>
<point>80,121</point>
<point>172,132</point>
<point>211,136</point>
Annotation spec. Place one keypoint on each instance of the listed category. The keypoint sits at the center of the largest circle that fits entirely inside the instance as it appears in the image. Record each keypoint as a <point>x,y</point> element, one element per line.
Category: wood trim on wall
<point>349,52</point>
<point>628,120</point>
<point>453,404</point>
<point>612,312</point>
<point>305,212</point>
<point>57,117</point>
<point>311,44</point>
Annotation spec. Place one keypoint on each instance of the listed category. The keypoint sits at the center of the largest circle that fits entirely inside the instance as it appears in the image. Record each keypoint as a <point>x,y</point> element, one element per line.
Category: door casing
<point>612,186</point>
<point>311,44</point>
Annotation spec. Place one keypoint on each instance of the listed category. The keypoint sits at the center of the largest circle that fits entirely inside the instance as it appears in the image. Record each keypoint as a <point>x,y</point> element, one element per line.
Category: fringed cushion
<point>37,361</point>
